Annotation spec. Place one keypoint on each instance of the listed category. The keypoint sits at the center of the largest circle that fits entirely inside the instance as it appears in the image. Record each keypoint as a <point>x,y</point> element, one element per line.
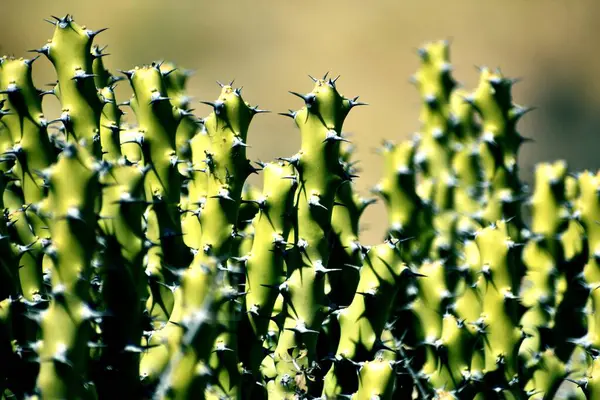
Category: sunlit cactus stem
<point>70,51</point>
<point>320,174</point>
<point>157,126</point>
<point>382,275</point>
<point>227,169</point>
<point>66,327</point>
<point>265,269</point>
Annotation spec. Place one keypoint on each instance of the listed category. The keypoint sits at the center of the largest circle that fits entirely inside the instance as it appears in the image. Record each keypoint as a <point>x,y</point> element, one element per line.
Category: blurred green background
<point>269,47</point>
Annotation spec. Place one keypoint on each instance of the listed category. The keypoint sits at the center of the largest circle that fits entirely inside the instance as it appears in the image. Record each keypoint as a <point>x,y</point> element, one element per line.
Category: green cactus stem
<point>320,174</point>
<point>70,208</point>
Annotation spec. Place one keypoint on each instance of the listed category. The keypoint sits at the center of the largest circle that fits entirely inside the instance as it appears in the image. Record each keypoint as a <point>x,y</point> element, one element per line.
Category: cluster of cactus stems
<point>137,262</point>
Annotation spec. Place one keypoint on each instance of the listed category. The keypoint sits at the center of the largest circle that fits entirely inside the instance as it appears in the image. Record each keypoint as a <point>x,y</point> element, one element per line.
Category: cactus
<point>136,260</point>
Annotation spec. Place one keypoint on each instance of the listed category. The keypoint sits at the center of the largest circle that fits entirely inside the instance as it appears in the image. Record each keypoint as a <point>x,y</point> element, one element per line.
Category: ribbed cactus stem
<point>553,257</point>
<point>265,267</point>
<point>175,82</point>
<point>466,165</point>
<point>498,286</point>
<point>70,51</point>
<point>320,174</point>
<point>197,188</point>
<point>70,209</point>
<point>347,252</point>
<point>31,153</point>
<point>409,216</point>
<point>376,380</point>
<point>549,217</point>
<point>382,275</point>
<point>157,124</point>
<point>26,125</point>
<point>120,263</point>
<point>498,147</point>
<point>227,169</point>
<point>435,84</point>
<point>10,285</point>
<point>588,208</point>
<point>110,120</point>
<point>188,373</point>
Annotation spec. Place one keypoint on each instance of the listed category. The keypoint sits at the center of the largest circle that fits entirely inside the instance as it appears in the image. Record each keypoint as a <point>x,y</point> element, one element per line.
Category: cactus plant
<point>136,260</point>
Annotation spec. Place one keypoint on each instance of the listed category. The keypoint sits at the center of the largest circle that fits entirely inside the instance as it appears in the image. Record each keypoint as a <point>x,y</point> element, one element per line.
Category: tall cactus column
<point>320,174</point>
<point>121,252</point>
<point>435,83</point>
<point>29,152</point>
<point>124,282</point>
<point>382,275</point>
<point>347,252</point>
<point>265,267</point>
<point>70,51</point>
<point>158,125</point>
<point>227,168</point>
<point>71,211</point>
<point>499,145</point>
<point>587,205</point>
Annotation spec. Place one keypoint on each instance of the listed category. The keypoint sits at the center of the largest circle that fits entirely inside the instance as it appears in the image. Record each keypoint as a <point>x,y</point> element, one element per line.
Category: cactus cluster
<point>137,262</point>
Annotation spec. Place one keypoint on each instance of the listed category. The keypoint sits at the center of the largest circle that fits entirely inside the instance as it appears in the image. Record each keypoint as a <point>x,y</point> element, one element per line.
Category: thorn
<point>223,194</point>
<point>355,103</point>
<point>131,348</point>
<point>320,269</point>
<point>294,160</point>
<point>158,64</point>
<point>11,88</point>
<point>43,50</point>
<point>314,200</point>
<point>332,136</point>
<point>169,72</point>
<point>221,347</point>
<point>157,96</point>
<point>257,110</point>
<point>332,82</point>
<point>291,114</point>
<point>91,34</point>
<point>100,55</point>
<point>217,106</point>
<point>128,74</point>
<point>519,111</point>
<point>81,74</point>
<point>113,127</point>
<point>309,99</point>
<point>301,328</point>
<point>31,61</point>
<point>238,142</point>
<point>368,202</point>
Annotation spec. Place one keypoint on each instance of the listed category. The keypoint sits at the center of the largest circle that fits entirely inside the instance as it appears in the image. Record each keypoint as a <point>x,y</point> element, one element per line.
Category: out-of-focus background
<point>269,47</point>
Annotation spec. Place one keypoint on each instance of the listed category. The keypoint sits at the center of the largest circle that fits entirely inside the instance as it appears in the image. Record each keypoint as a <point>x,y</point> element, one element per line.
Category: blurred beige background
<point>270,46</point>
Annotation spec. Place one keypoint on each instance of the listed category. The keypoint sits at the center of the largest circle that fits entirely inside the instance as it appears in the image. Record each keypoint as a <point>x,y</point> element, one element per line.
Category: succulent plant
<point>136,261</point>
